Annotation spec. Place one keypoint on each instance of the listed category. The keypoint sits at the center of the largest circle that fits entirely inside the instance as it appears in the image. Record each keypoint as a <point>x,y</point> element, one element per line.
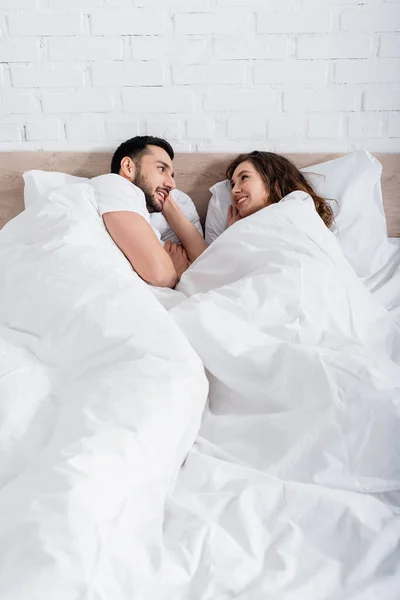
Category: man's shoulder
<point>114,183</point>
<point>114,193</point>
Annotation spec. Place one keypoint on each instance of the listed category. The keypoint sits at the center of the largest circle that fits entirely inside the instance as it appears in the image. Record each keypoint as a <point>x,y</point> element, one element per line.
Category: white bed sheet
<point>101,398</point>
<point>292,488</point>
<point>385,284</point>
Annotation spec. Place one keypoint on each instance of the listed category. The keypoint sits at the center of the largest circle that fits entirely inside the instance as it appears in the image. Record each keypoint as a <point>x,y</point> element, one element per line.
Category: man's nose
<point>169,183</point>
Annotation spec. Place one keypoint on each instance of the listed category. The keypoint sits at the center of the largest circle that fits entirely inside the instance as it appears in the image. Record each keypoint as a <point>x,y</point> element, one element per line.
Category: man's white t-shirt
<point>114,193</point>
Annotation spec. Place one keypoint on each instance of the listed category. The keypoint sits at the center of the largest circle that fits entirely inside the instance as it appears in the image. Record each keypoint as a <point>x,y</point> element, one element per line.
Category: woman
<point>258,179</point>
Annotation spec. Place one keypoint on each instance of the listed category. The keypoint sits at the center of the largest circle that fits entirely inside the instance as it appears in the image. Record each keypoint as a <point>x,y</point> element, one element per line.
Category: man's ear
<point>128,168</point>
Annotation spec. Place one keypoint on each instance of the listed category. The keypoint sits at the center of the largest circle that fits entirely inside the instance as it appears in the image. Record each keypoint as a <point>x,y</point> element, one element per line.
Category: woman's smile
<point>241,200</point>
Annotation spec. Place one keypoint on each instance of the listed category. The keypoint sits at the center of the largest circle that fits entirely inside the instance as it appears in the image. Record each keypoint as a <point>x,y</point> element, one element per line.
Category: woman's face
<point>249,193</point>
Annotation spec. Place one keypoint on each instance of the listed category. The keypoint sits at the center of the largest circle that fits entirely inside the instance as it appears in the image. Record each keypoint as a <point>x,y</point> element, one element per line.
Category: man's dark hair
<point>136,147</point>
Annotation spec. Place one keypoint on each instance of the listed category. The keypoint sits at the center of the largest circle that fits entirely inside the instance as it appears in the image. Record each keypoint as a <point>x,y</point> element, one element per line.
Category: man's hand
<point>233,215</point>
<point>170,207</point>
<point>191,239</point>
<point>178,256</point>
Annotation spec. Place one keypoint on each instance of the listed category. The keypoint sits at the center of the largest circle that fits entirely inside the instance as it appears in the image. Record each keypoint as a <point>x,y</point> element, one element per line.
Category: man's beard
<point>152,203</point>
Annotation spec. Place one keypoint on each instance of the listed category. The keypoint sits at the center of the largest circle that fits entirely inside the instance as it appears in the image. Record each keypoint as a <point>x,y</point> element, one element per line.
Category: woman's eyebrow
<point>239,174</point>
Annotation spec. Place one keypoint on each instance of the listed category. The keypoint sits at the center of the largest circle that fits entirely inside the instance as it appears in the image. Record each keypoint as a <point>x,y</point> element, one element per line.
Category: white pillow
<point>39,183</point>
<point>186,204</point>
<point>352,186</point>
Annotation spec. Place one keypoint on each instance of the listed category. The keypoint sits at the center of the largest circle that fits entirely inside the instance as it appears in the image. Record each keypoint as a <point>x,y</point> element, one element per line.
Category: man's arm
<point>137,240</point>
<point>190,238</point>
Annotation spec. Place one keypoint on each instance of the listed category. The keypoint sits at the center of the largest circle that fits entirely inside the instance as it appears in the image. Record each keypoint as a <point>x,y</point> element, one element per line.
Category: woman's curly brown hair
<point>281,177</point>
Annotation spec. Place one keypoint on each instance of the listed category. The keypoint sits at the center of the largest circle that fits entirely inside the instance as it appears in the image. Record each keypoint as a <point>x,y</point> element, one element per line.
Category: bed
<point>195,174</point>
<point>238,437</point>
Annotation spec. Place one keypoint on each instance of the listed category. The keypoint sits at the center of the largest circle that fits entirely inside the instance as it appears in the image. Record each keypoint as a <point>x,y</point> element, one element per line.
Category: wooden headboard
<point>195,173</point>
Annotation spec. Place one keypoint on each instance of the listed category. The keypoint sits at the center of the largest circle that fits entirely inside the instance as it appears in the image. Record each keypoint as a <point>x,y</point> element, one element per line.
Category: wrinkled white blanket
<point>101,397</point>
<point>291,490</point>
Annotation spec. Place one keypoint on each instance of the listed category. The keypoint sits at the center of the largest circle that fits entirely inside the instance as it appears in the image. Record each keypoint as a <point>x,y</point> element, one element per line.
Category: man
<point>140,182</point>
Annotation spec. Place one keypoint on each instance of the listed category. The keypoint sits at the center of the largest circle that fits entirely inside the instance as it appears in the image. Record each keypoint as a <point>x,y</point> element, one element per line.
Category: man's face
<point>155,177</point>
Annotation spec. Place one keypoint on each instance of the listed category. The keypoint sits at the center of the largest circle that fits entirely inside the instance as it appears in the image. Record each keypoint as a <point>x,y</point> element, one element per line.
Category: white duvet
<point>292,488</point>
<point>101,397</point>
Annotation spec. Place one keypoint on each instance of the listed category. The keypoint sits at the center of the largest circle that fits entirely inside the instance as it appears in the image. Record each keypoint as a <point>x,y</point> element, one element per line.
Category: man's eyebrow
<point>166,165</point>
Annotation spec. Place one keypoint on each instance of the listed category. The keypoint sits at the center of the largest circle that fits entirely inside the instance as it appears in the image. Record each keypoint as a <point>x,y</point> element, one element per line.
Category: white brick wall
<point>34,24</point>
<point>44,129</point>
<point>297,21</point>
<point>209,75</point>
<point>130,22</point>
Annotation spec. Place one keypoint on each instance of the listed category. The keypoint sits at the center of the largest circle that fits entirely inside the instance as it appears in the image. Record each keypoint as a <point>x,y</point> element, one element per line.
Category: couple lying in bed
<point>258,179</point>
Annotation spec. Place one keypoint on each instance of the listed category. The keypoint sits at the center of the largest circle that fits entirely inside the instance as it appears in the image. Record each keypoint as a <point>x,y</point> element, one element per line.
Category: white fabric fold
<point>101,397</point>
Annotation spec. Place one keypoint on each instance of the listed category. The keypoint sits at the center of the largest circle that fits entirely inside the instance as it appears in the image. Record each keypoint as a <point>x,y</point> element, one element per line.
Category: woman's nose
<point>235,189</point>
